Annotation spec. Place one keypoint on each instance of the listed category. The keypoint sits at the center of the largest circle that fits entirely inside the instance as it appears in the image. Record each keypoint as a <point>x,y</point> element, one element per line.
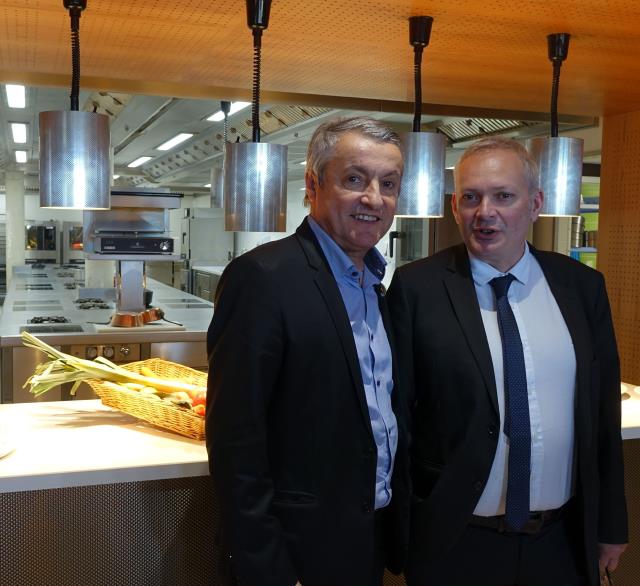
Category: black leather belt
<point>538,520</point>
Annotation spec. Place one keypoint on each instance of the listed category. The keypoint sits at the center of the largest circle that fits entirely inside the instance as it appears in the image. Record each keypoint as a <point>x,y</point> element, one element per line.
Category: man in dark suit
<point>301,433</point>
<point>516,456</point>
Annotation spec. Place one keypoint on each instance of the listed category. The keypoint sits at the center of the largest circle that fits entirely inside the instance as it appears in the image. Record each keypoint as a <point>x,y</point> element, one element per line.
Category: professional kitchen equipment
<point>422,189</point>
<point>204,242</point>
<point>72,244</point>
<point>559,158</point>
<point>134,230</point>
<point>74,146</point>
<point>41,242</point>
<point>255,173</point>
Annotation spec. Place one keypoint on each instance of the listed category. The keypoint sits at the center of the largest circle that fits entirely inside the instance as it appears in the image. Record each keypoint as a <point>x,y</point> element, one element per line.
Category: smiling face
<point>493,206</point>
<point>357,199</point>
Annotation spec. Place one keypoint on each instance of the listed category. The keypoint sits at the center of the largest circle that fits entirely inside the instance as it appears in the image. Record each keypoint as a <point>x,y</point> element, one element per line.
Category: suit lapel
<point>464,301</point>
<point>328,288</point>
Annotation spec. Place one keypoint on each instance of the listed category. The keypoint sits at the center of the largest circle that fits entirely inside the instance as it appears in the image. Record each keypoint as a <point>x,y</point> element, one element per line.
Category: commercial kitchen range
<point>50,301</point>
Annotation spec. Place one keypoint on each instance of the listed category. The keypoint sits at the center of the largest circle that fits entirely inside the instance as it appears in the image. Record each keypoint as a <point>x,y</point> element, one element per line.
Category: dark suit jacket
<point>289,437</point>
<point>444,353</point>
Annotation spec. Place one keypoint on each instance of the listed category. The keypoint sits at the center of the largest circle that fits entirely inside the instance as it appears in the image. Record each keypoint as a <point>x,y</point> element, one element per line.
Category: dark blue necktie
<point>516,422</point>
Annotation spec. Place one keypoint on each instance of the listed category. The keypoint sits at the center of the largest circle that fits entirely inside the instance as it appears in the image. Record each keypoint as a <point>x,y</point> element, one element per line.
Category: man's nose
<point>372,196</point>
<point>485,207</point>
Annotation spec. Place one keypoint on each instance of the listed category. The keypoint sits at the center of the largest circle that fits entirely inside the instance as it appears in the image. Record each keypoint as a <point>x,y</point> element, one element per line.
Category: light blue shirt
<point>374,353</point>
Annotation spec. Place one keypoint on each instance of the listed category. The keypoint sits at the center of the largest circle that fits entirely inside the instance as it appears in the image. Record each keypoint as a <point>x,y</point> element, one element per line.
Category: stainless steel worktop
<point>45,292</point>
<point>53,291</point>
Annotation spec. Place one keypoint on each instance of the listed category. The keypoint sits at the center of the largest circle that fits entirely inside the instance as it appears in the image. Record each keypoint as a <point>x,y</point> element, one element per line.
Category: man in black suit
<point>301,433</point>
<point>516,456</point>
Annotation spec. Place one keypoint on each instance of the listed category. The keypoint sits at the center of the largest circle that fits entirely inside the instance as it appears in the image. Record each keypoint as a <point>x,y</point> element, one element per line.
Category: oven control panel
<point>134,245</point>
<point>117,352</point>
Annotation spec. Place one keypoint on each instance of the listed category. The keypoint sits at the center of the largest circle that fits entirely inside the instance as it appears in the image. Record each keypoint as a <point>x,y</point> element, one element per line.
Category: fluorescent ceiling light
<point>139,161</point>
<point>16,97</point>
<point>176,140</point>
<point>235,107</point>
<point>302,163</point>
<point>116,176</point>
<point>21,156</point>
<point>19,131</point>
<point>207,184</point>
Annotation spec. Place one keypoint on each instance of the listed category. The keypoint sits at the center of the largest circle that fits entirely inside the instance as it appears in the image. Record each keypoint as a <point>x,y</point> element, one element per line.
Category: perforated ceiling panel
<point>486,53</point>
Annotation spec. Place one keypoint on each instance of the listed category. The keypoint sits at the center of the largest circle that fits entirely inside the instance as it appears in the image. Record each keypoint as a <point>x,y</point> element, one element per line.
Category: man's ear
<point>454,208</point>
<point>311,185</point>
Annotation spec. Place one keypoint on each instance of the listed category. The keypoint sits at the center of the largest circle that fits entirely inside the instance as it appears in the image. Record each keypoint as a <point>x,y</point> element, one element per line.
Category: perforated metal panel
<point>157,533</point>
<point>619,234</point>
<point>487,53</point>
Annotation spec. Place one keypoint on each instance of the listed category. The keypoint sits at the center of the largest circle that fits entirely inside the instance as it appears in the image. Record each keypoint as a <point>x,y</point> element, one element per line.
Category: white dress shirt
<point>550,365</point>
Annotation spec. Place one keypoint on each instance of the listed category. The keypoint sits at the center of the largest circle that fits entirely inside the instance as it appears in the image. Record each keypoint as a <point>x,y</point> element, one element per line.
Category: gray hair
<point>500,143</point>
<point>326,136</point>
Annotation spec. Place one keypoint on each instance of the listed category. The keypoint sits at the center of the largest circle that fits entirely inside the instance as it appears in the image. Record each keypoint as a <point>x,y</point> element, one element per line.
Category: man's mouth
<point>365,218</point>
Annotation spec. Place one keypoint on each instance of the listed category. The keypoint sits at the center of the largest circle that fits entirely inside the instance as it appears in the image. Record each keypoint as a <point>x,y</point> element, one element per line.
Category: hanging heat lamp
<point>422,188</point>
<point>559,158</point>
<point>217,173</point>
<point>255,173</point>
<point>74,146</point>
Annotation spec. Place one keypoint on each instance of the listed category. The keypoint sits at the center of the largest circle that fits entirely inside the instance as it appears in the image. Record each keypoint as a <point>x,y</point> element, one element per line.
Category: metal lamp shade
<point>217,187</point>
<point>560,162</point>
<point>255,187</point>
<point>422,188</point>
<point>74,160</point>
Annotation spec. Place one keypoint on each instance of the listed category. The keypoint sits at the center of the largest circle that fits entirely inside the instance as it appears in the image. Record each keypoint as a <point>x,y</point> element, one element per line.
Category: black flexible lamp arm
<point>558,48</point>
<point>419,33</point>
<point>257,20</point>
<point>255,106</point>
<point>75,7</point>
<point>225,108</point>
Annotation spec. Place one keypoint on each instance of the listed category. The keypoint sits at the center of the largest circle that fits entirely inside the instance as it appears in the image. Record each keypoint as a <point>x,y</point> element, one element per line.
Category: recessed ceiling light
<point>303,163</point>
<point>176,140</point>
<point>207,184</point>
<point>116,176</point>
<point>235,107</point>
<point>21,156</point>
<point>139,161</point>
<point>16,97</point>
<point>19,131</point>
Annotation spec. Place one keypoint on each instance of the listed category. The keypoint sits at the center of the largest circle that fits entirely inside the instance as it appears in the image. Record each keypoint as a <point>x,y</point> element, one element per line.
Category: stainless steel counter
<point>52,291</point>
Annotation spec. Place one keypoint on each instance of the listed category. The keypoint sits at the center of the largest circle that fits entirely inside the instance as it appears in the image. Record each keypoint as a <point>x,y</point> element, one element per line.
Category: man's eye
<point>505,195</point>
<point>353,179</point>
<point>469,196</point>
<point>389,185</point>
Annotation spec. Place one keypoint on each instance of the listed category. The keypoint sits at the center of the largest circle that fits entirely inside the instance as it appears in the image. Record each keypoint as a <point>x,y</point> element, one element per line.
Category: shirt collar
<point>483,272</point>
<point>340,263</point>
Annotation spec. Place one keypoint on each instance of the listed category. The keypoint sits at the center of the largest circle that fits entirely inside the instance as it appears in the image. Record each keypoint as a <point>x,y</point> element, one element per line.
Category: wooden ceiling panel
<point>483,53</point>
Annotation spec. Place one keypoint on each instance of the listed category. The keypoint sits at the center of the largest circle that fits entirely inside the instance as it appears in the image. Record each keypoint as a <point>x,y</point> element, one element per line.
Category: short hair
<point>500,143</point>
<point>326,136</point>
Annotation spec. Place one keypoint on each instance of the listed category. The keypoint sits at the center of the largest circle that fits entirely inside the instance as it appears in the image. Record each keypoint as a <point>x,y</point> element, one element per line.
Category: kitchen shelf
<point>584,249</point>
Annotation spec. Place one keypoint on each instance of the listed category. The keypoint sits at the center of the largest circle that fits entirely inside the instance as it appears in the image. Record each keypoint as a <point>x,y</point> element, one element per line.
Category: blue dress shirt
<point>374,353</point>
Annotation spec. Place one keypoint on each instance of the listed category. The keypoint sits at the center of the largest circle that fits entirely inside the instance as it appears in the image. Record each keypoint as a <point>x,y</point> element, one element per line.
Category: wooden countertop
<point>80,443</point>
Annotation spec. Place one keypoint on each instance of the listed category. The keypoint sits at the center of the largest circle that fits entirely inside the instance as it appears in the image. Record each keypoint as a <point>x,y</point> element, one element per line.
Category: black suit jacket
<point>445,357</point>
<point>289,437</point>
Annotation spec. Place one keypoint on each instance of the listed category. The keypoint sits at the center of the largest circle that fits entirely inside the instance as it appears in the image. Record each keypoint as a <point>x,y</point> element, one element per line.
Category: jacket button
<point>491,429</point>
<point>478,485</point>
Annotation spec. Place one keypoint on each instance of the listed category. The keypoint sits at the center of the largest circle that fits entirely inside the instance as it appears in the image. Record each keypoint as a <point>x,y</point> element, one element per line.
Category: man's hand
<point>609,555</point>
<point>298,584</point>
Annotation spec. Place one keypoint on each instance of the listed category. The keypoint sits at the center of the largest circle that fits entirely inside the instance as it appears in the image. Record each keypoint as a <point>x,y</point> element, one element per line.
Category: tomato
<point>199,398</point>
<point>199,409</point>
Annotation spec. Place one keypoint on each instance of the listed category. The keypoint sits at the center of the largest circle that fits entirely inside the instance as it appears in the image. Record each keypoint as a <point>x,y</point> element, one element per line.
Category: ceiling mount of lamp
<point>75,171</point>
<point>422,188</point>
<point>255,173</point>
<point>559,158</point>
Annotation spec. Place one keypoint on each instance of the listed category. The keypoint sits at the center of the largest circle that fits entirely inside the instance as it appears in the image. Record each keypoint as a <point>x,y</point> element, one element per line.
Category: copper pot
<point>126,319</point>
<point>152,314</point>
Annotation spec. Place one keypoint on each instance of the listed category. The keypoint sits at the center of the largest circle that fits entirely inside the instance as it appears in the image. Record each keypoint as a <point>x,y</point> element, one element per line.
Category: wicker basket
<point>163,415</point>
